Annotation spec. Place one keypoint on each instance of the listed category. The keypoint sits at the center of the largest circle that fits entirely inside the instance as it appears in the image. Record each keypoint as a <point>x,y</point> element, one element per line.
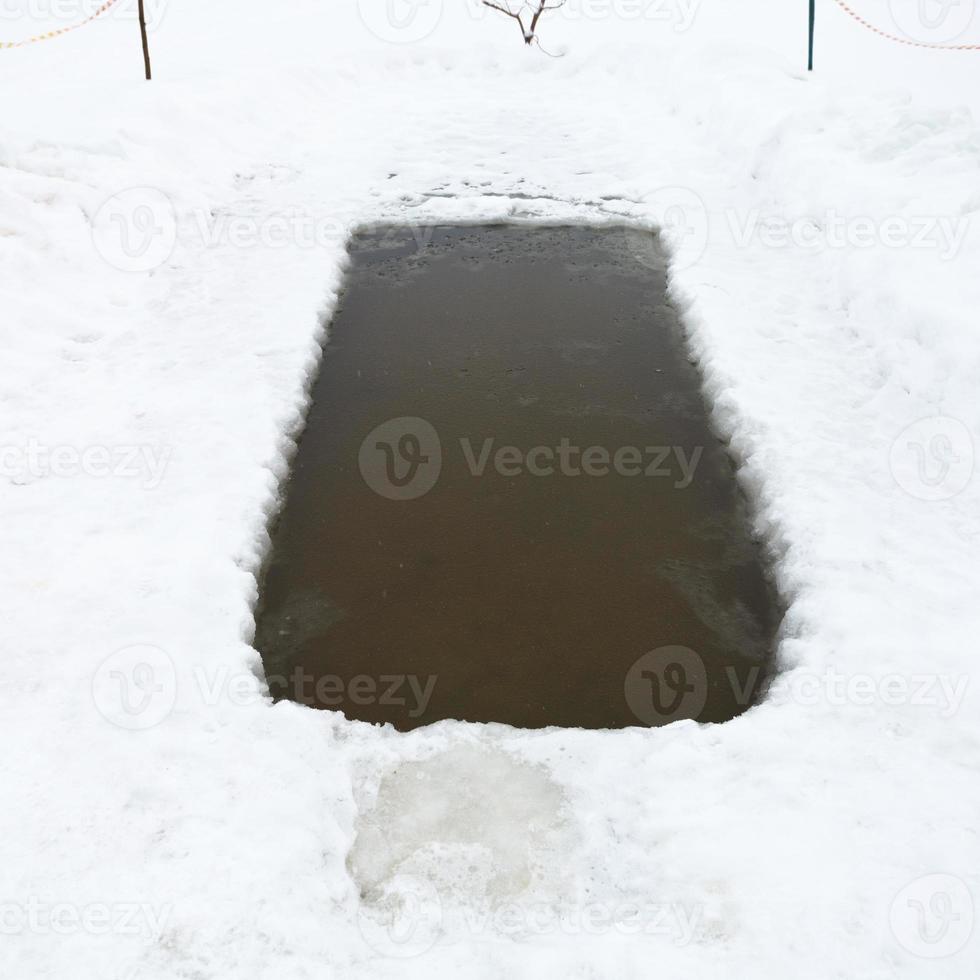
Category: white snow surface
<point>260,841</point>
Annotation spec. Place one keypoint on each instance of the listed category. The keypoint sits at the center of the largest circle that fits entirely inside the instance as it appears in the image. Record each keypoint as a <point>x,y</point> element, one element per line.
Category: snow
<point>147,425</point>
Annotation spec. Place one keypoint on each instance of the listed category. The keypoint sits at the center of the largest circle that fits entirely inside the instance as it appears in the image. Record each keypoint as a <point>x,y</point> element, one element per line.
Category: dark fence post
<point>146,46</point>
<point>813,20</point>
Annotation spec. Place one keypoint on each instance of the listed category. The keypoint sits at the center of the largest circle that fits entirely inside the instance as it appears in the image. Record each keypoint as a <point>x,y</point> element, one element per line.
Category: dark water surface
<point>448,550</point>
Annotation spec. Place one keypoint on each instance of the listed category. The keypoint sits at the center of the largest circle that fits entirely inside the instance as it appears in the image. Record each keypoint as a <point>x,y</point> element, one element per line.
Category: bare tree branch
<point>529,34</point>
<point>509,13</point>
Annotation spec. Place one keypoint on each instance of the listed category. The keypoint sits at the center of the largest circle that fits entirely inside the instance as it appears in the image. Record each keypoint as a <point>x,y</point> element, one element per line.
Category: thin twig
<point>544,50</point>
<point>529,34</point>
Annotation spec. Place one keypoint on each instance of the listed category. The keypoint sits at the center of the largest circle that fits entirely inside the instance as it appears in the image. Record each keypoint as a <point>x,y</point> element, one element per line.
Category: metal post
<point>813,20</point>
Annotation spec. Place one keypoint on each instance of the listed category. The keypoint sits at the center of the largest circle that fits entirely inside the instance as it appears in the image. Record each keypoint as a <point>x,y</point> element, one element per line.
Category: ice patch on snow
<point>480,825</point>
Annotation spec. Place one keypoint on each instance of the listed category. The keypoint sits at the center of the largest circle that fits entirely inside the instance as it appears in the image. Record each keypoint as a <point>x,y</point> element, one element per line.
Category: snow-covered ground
<point>826,247</point>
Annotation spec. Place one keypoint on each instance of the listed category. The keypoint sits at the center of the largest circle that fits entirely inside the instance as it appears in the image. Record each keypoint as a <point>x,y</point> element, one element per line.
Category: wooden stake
<point>146,46</point>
